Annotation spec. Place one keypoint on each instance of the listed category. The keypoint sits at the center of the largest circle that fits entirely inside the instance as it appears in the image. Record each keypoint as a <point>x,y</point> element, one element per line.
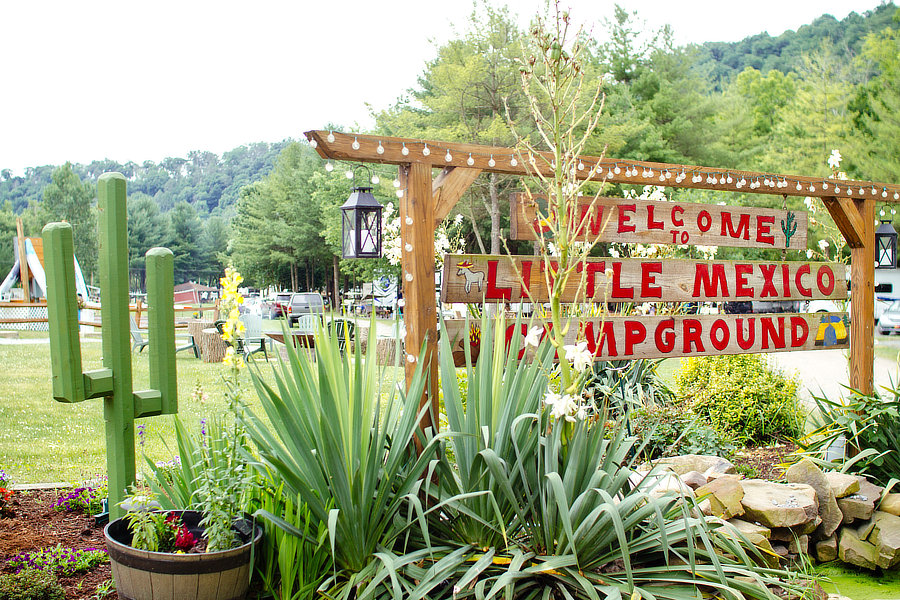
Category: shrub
<point>742,396</point>
<point>668,430</point>
<point>31,584</point>
<point>87,500</point>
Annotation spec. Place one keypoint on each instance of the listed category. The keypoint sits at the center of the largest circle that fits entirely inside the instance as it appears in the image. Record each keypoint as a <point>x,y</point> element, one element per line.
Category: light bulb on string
<point>729,179</point>
<point>881,212</point>
<point>662,176</point>
<point>812,188</point>
<point>380,148</point>
<point>650,172</point>
<point>883,193</point>
<point>313,144</point>
<point>862,192</point>
<point>448,157</point>
<point>396,183</point>
<point>470,161</point>
<point>376,180</point>
<point>404,150</point>
<point>426,150</point>
<point>348,174</point>
<point>330,137</point>
<point>580,166</point>
<point>799,187</point>
<point>824,185</point>
<point>355,144</point>
<point>329,167</point>
<point>893,211</point>
<point>837,189</point>
<point>617,170</point>
<point>399,193</point>
<point>491,162</point>
<point>896,196</point>
<point>874,191</point>
<point>513,162</point>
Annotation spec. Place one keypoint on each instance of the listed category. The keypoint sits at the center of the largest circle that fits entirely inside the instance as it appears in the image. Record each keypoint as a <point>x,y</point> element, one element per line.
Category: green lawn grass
<point>42,440</point>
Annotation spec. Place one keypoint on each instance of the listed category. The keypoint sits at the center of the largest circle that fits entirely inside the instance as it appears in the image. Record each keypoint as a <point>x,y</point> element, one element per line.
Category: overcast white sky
<point>144,80</point>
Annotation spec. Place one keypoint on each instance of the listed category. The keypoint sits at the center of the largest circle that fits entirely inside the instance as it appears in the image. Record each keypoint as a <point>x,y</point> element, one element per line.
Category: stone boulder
<point>724,495</point>
<point>842,484</point>
<point>806,471</point>
<point>861,504</point>
<point>748,528</point>
<point>891,504</point>
<point>855,551</point>
<point>778,504</point>
<point>696,462</point>
<point>885,537</point>
<point>693,479</point>
<point>827,549</point>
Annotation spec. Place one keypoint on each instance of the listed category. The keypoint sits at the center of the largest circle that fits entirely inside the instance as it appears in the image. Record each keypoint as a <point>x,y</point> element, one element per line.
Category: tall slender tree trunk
<point>337,293</point>
<point>495,214</point>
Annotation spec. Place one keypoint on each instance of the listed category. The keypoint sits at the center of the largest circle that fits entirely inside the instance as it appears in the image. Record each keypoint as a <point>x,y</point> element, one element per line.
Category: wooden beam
<point>847,217</point>
<point>23,261</point>
<point>448,188</point>
<point>862,305</point>
<point>390,150</point>
<point>417,274</point>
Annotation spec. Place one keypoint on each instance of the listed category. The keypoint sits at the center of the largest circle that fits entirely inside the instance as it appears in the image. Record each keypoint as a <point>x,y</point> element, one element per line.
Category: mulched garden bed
<point>764,460</point>
<point>35,524</point>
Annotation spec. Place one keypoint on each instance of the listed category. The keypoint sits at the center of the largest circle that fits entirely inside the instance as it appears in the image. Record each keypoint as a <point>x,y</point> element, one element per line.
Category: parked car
<point>277,306</point>
<point>890,319</point>
<point>304,303</point>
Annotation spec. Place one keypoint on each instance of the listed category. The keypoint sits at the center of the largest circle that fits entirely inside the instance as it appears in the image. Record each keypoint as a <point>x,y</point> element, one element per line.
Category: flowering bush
<point>60,560</point>
<point>5,501</point>
<point>157,531</point>
<point>87,500</point>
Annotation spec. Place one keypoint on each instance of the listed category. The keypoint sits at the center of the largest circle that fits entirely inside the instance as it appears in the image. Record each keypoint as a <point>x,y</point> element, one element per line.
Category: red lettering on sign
<point>772,333</point>
<point>678,222</point>
<point>762,229</point>
<point>525,283</point>
<point>798,281</point>
<point>651,224</point>
<point>592,269</point>
<point>606,335</point>
<point>704,221</point>
<point>595,222</point>
<point>625,226</point>
<point>799,331</point>
<point>768,273</point>
<point>710,284</point>
<point>728,227</point>
<point>745,342</point>
<point>649,288</point>
<point>823,272</point>
<point>692,331</point>
<point>618,291</point>
<point>719,334</point>
<point>554,269</point>
<point>492,291</point>
<point>741,289</point>
<point>635,333</point>
<point>664,336</point>
<point>786,280</point>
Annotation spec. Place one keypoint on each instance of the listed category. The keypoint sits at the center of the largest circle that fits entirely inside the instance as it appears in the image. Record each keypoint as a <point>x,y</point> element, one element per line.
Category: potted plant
<point>202,548</point>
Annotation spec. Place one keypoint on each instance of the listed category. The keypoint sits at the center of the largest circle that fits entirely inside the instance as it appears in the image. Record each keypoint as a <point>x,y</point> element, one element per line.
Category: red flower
<point>184,539</point>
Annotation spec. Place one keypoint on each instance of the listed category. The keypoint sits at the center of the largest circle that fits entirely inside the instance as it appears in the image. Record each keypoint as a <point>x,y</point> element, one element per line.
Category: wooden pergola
<point>427,200</point>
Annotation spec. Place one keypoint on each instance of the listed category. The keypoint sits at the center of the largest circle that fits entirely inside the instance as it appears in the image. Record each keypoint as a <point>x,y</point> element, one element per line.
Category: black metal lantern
<point>886,246</point>
<point>361,225</point>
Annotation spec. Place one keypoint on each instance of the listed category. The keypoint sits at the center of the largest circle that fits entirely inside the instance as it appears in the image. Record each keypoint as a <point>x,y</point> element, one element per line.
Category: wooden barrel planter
<point>143,575</point>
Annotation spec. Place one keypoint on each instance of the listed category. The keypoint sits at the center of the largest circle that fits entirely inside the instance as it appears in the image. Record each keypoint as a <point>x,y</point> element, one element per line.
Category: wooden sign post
<point>851,204</point>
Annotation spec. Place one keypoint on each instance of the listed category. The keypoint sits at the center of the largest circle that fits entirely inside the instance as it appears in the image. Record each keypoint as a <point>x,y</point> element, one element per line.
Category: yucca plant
<point>344,444</point>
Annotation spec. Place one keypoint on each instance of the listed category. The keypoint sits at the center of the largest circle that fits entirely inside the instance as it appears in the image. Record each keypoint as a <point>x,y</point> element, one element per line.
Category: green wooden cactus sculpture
<point>113,383</point>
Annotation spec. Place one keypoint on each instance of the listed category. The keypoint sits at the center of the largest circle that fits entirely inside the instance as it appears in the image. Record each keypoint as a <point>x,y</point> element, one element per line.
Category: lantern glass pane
<point>348,234</point>
<point>886,251</point>
<point>368,232</point>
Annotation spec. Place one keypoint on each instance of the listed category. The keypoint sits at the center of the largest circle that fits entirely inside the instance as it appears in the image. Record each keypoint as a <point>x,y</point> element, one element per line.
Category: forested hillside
<point>782,104</point>
<point>722,61</point>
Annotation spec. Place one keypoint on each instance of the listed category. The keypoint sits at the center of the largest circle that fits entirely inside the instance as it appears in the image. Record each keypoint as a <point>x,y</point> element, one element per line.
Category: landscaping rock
<point>779,505</point>
<point>827,549</point>
<point>885,537</point>
<point>853,550</point>
<point>799,545</point>
<point>781,550</point>
<point>694,479</point>
<point>842,484</point>
<point>749,528</point>
<point>863,530</point>
<point>807,472</point>
<point>696,462</point>
<point>724,495</point>
<point>861,504</point>
<point>891,504</point>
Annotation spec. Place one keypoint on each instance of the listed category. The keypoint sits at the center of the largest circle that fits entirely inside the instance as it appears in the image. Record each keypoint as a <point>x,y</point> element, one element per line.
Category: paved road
<point>826,371</point>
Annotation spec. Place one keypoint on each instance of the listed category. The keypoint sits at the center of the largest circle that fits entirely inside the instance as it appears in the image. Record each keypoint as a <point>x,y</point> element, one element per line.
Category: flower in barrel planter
<point>208,547</point>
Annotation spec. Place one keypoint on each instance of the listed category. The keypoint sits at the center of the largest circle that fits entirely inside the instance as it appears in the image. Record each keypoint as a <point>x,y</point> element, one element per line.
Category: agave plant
<point>344,444</point>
